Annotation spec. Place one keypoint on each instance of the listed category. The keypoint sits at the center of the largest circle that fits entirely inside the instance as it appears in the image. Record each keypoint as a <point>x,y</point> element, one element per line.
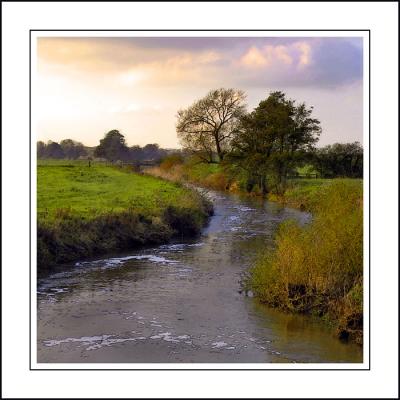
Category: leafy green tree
<point>340,160</point>
<point>153,152</point>
<point>40,149</point>
<point>53,150</point>
<point>72,149</point>
<point>112,147</point>
<point>272,139</point>
<point>136,153</point>
<point>207,126</point>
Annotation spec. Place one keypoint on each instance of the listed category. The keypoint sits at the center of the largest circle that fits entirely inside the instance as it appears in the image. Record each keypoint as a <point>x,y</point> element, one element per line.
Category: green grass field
<point>76,189</point>
<point>87,211</point>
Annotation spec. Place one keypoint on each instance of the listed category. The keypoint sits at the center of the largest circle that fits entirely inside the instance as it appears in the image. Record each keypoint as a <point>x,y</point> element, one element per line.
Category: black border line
<point>200,369</point>
<point>30,206</point>
<point>369,197</point>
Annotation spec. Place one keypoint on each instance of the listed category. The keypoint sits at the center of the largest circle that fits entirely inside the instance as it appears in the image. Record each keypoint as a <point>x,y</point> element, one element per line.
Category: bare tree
<point>207,126</point>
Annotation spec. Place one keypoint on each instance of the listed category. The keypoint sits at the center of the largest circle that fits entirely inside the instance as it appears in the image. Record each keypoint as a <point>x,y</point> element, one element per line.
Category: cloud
<point>266,56</point>
<point>281,53</point>
<point>305,53</point>
<point>254,58</point>
<point>313,62</point>
<point>87,85</point>
<point>207,60</point>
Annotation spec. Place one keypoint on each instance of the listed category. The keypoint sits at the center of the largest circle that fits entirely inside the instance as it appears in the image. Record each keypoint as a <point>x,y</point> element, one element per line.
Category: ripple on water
<point>179,246</point>
<point>244,208</point>
<point>218,345</point>
<point>110,262</point>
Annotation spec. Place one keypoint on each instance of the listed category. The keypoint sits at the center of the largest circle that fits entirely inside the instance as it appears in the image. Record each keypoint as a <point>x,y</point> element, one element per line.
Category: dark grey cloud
<point>337,61</point>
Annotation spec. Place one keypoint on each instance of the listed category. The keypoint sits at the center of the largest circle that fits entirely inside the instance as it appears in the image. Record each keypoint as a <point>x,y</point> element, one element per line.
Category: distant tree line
<point>112,148</point>
<point>267,144</point>
<point>67,148</point>
<point>339,160</point>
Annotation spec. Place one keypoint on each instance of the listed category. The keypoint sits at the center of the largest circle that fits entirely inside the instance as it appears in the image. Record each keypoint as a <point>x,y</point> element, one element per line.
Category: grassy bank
<point>303,194</point>
<point>318,269</point>
<point>300,193</point>
<point>84,211</point>
<point>210,176</point>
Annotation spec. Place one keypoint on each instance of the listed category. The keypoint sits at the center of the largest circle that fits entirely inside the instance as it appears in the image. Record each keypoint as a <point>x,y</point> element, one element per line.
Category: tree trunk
<point>263,185</point>
<point>219,151</point>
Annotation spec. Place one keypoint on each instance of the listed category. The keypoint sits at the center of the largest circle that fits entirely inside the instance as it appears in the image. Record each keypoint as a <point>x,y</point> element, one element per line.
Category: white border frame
<point>365,365</point>
<point>381,381</point>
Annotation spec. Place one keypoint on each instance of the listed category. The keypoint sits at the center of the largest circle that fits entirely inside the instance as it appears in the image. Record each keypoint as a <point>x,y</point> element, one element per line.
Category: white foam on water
<point>183,337</point>
<point>165,334</point>
<point>59,290</point>
<point>179,246</point>
<point>217,345</point>
<point>110,262</point>
<point>46,294</point>
<point>168,337</point>
<point>109,342</point>
<point>155,259</point>
<point>173,246</point>
<point>244,208</point>
<point>83,339</point>
<point>93,342</point>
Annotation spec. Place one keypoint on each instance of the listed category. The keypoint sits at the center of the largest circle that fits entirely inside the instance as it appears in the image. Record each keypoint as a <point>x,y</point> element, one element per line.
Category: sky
<point>87,86</point>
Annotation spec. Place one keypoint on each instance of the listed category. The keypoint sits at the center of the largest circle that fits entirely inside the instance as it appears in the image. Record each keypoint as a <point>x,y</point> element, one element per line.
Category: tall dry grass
<point>318,268</point>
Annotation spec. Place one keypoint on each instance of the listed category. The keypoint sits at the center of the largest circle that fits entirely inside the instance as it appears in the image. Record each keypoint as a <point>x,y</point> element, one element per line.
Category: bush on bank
<point>318,268</point>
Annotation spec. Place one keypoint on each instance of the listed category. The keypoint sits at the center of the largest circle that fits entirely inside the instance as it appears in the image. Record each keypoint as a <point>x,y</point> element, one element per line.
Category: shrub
<point>318,268</point>
<point>170,161</point>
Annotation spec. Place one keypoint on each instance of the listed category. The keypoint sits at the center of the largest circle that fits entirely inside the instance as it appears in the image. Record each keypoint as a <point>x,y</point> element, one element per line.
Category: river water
<point>181,302</point>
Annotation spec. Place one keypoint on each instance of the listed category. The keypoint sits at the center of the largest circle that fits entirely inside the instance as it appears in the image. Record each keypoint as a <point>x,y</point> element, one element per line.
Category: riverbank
<point>315,269</point>
<point>182,302</point>
<point>300,193</point>
<point>84,211</point>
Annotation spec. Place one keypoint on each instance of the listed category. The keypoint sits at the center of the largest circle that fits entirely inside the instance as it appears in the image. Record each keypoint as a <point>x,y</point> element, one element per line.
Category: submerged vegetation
<point>84,211</point>
<point>318,268</point>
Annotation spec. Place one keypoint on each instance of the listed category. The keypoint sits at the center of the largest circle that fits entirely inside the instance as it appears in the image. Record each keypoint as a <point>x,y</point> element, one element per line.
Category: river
<point>181,302</point>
